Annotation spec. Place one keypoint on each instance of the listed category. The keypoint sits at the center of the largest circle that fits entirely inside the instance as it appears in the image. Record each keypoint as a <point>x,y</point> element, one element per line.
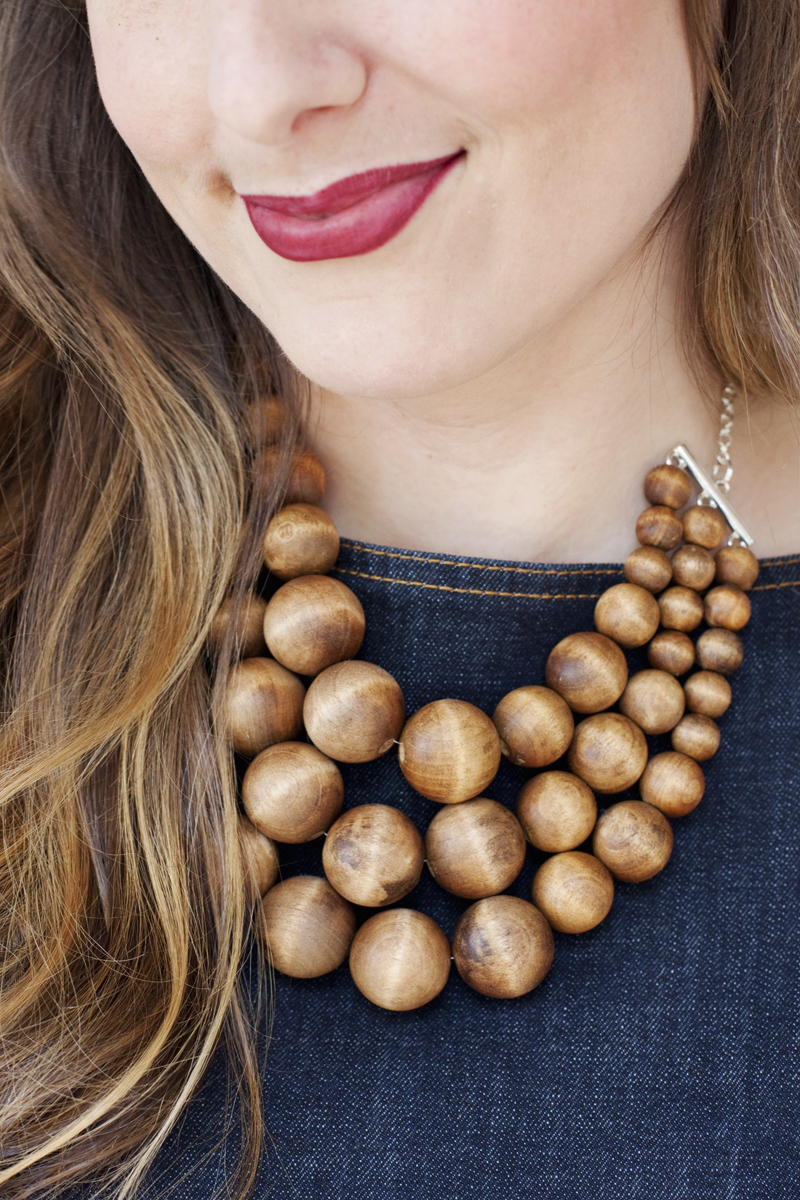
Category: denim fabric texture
<point>658,1060</point>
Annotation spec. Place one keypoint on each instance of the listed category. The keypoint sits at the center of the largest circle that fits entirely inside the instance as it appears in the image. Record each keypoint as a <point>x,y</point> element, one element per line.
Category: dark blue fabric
<point>659,1058</point>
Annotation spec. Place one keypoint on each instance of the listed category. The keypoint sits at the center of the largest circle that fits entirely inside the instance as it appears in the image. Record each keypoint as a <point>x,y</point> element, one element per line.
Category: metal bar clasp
<point>709,491</point>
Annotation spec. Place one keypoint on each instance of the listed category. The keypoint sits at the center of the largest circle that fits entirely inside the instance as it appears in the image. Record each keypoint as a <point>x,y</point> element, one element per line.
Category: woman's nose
<point>275,61</point>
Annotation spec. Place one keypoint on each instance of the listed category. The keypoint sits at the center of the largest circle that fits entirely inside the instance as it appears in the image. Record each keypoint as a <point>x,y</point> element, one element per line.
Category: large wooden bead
<point>263,704</point>
<point>705,526</point>
<point>312,622</point>
<point>265,418</point>
<point>667,485</point>
<point>449,751</point>
<point>681,608</point>
<point>671,651</point>
<point>736,565</point>
<point>720,650</point>
<point>308,927</point>
<point>292,793</point>
<point>354,711</point>
<point>300,540</point>
<point>373,855</point>
<point>697,736</point>
<point>658,526</point>
<point>728,607</point>
<point>557,811</point>
<point>628,614</point>
<point>648,567</point>
<point>475,849</point>
<point>400,959</point>
<point>708,692</point>
<point>535,726</point>
<point>608,752</point>
<point>588,670</point>
<point>693,567</point>
<point>574,891</point>
<point>634,840</point>
<point>306,481</point>
<point>248,634</point>
<point>259,859</point>
<point>503,947</point>
<point>673,783</point>
<point>654,700</point>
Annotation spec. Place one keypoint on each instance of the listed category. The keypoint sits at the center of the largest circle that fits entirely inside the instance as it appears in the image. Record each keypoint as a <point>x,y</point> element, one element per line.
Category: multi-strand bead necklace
<point>591,718</point>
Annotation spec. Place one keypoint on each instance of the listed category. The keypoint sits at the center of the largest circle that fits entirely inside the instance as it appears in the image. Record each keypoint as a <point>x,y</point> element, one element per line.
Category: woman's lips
<point>353,216</point>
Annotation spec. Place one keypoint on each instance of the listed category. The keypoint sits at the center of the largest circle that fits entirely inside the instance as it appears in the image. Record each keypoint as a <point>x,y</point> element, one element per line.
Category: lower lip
<point>364,226</point>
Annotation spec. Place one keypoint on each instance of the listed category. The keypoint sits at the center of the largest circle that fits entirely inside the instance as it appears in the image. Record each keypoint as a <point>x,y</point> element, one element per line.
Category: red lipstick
<point>353,216</point>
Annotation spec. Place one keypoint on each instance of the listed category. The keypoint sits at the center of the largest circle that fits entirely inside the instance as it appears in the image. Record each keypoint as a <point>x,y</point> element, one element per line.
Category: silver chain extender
<point>723,468</point>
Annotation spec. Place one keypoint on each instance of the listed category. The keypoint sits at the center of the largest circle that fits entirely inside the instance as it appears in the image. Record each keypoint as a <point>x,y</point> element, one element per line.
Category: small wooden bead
<point>400,959</point>
<point>475,849</point>
<point>449,751</point>
<point>588,670</point>
<point>659,527</point>
<point>667,485</point>
<point>693,567</point>
<point>307,926</point>
<point>248,637</point>
<point>634,840</point>
<point>697,736</point>
<point>736,565</point>
<point>628,614</point>
<point>306,480</point>
<point>708,693</point>
<point>608,752</point>
<point>681,608</point>
<point>671,651</point>
<point>292,793</point>
<point>673,783</point>
<point>265,418</point>
<point>354,711</point>
<point>535,726</point>
<point>574,891</point>
<point>648,567</point>
<point>300,540</point>
<point>263,704</point>
<point>557,811</point>
<point>503,947</point>
<point>373,855</point>
<point>312,622</point>
<point>728,607</point>
<point>654,700</point>
<point>259,859</point>
<point>720,650</point>
<point>704,526</point>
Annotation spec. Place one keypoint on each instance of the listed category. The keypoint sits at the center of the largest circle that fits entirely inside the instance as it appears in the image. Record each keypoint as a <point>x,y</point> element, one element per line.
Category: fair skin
<point>498,377</point>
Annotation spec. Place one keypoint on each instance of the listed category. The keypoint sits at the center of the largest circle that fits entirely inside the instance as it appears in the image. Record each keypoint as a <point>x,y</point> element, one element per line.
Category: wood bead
<point>574,891</point>
<point>654,700</point>
<point>671,651</point>
<point>667,485</point>
<point>449,751</point>
<point>535,725</point>
<point>373,855</point>
<point>312,622</point>
<point>265,419</point>
<point>628,614</point>
<point>556,810</point>
<point>292,793</point>
<point>305,483</point>
<point>736,565</point>
<point>259,859</point>
<point>475,849</point>
<point>708,692</point>
<point>354,711</point>
<point>728,607</point>
<point>503,947</point>
<point>673,783</point>
<point>720,650</point>
<point>697,736</point>
<point>634,840</point>
<point>704,526</point>
<point>248,636</point>
<point>263,704</point>
<point>608,752</point>
<point>300,540</point>
<point>588,670</point>
<point>400,959</point>
<point>658,526</point>
<point>648,567</point>
<point>307,926</point>
<point>681,608</point>
<point>693,567</point>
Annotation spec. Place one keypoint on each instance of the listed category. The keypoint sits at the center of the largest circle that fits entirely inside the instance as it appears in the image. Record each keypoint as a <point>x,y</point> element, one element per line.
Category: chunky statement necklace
<point>589,717</point>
